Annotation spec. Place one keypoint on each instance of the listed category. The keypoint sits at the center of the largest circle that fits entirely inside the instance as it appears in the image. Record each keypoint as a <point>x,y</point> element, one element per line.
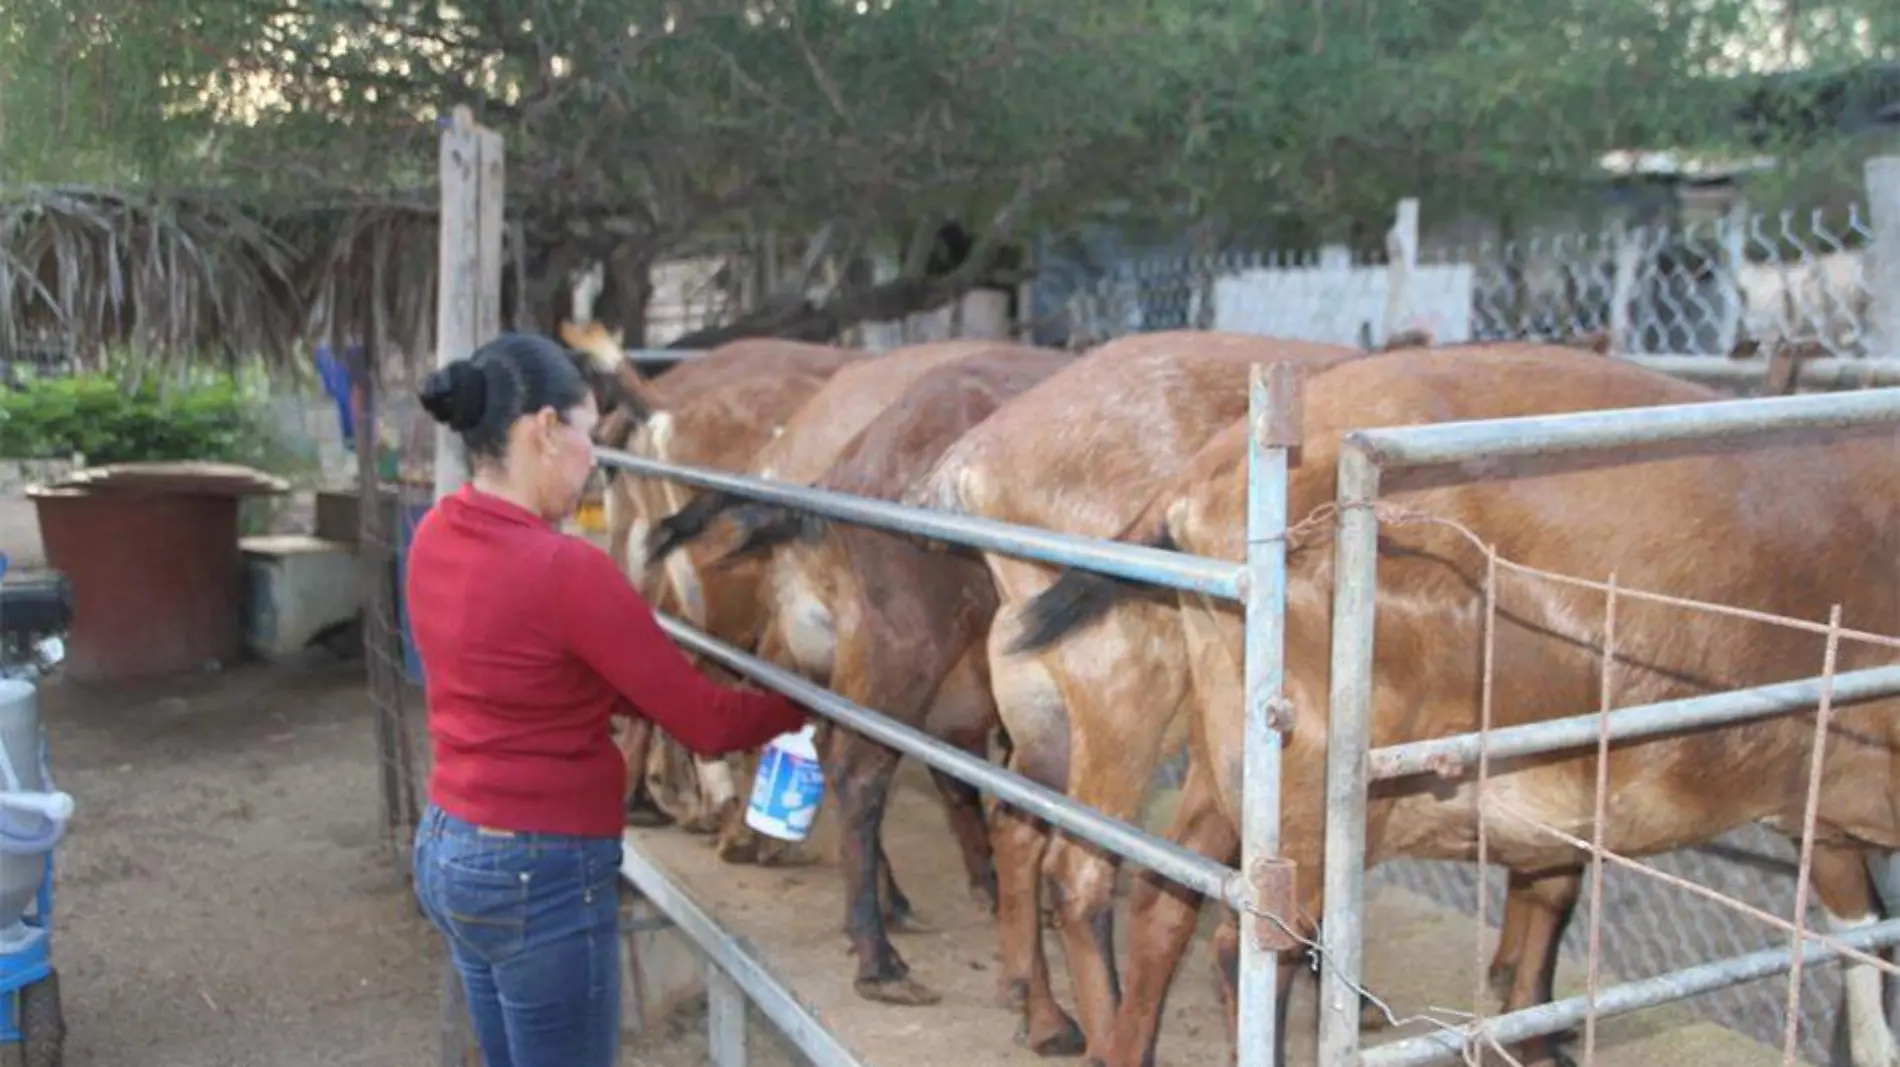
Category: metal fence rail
<point>1159,854</point>
<point>1595,438</point>
<point>1138,563</point>
<point>1258,584</point>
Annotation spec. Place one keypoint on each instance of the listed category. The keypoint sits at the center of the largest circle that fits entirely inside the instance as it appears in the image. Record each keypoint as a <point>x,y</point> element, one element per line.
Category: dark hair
<point>513,375</point>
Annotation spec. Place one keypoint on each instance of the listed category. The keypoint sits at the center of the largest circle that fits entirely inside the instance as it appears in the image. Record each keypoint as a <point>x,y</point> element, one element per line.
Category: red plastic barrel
<point>151,552</point>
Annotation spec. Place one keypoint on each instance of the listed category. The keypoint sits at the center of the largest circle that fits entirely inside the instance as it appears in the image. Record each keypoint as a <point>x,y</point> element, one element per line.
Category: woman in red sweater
<point>530,641</point>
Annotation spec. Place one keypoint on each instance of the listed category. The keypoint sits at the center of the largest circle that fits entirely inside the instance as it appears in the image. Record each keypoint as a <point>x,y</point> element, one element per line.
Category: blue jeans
<point>532,923</point>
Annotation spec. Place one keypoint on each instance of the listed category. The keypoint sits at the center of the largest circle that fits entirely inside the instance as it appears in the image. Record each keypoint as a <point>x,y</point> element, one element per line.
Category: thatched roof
<point>181,276</point>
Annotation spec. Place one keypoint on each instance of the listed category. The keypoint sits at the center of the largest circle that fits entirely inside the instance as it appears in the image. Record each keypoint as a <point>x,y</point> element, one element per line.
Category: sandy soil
<point>225,896</point>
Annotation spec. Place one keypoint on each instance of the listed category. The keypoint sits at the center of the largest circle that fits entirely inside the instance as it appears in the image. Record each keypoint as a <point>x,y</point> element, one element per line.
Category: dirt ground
<point>225,897</point>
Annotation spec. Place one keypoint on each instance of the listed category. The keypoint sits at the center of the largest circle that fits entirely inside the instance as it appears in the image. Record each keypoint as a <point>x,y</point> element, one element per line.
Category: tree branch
<point>798,319</point>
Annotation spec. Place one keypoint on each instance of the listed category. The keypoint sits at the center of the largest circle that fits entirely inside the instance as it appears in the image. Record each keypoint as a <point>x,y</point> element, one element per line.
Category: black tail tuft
<point>674,531</point>
<point>1076,599</point>
<point>763,527</point>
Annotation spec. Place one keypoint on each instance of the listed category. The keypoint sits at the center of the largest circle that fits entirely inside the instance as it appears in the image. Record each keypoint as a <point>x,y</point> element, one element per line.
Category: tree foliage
<point>635,126</point>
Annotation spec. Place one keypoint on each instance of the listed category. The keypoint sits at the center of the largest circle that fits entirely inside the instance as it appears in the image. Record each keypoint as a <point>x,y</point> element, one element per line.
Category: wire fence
<point>394,472</point>
<point>1739,286</point>
<point>1644,917</point>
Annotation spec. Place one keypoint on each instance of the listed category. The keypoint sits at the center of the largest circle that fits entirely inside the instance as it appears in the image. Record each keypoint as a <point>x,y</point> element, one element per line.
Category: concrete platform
<point>1420,957</point>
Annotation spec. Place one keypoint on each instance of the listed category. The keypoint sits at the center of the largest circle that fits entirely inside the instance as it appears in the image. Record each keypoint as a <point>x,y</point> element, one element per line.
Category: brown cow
<point>714,411</point>
<point>1080,453</point>
<point>1800,527</point>
<point>810,442</point>
<point>896,627</point>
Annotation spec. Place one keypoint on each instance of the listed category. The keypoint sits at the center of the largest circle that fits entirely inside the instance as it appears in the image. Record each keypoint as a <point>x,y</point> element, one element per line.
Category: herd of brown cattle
<point>1090,686</point>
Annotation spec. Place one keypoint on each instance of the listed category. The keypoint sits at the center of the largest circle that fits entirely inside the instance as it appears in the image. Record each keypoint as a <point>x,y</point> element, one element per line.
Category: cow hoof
<point>739,851</point>
<point>1372,1018</point>
<point>1500,979</point>
<point>906,922</point>
<point>1067,1040</point>
<point>782,854</point>
<point>905,992</point>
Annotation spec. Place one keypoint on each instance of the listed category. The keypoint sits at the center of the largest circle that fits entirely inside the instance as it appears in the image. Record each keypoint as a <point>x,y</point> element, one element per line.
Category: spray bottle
<point>788,787</point>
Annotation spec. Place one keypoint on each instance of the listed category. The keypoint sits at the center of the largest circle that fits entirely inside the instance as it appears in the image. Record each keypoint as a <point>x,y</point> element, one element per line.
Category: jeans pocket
<point>600,871</point>
<point>484,907</point>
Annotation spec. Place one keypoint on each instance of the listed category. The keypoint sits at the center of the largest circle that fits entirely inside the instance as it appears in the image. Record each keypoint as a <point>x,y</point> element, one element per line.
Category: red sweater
<point>529,641</point>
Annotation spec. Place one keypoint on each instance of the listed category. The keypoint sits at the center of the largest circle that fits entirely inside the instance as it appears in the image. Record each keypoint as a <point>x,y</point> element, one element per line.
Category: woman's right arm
<point>613,630</point>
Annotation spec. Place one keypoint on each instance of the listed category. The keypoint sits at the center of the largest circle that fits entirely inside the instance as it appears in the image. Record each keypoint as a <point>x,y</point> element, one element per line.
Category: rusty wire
<point>1791,1036</point>
<point>1599,817</point>
<point>1473,1033</point>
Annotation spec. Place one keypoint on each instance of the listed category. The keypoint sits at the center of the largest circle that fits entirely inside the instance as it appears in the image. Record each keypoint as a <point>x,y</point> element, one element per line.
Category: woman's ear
<point>547,425</point>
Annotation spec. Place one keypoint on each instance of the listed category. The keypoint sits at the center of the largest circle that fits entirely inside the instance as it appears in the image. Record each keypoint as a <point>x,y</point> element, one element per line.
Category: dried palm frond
<point>185,277</point>
<point>370,272</point>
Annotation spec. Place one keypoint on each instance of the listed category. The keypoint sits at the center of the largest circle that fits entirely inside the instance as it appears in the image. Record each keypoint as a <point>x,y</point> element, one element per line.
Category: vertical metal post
<point>1348,740</point>
<point>725,1018</point>
<point>1273,427</point>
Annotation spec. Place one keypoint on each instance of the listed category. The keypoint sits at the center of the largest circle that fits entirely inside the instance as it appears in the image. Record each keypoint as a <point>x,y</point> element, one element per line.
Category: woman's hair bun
<point>456,395</point>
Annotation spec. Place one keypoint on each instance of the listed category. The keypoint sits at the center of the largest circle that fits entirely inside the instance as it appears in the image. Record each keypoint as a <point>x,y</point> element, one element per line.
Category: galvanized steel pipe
<point>1448,754</point>
<point>1139,563</point>
<point>1164,857</point>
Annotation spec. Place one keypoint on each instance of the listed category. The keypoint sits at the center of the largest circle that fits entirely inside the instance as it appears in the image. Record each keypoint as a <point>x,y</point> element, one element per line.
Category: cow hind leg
<point>1032,712</point>
<point>863,775</point>
<point>1161,921</point>
<point>1839,877</point>
<point>1545,900</point>
<point>964,714</point>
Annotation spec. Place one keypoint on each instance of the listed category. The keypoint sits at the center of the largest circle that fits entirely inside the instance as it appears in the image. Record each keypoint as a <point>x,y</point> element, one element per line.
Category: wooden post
<point>1401,251</point>
<point>468,298</point>
<point>467,313</point>
<point>1882,262</point>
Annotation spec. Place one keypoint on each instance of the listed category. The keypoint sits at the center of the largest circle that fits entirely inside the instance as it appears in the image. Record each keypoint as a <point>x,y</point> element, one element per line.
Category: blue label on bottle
<point>786,791</point>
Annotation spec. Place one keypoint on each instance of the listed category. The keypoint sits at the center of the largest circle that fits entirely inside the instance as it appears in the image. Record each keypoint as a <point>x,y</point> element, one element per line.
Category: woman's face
<point>560,454</point>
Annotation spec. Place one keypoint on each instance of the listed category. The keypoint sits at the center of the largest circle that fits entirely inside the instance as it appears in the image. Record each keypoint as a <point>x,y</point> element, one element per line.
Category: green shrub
<point>208,416</point>
<point>107,422</point>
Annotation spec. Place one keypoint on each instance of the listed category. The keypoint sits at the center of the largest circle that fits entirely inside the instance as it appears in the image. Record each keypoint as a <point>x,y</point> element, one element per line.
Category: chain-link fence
<point>1732,287</point>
